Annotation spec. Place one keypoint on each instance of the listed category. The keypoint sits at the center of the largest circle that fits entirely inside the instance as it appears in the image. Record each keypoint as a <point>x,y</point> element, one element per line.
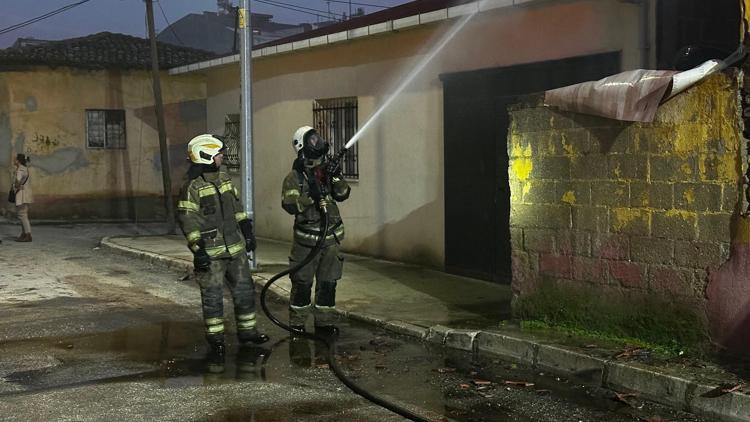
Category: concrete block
<point>461,339</point>
<point>338,36</point>
<point>437,334</point>
<point>627,167</point>
<point>714,227</point>
<point>698,254</point>
<point>572,242</point>
<point>357,32</point>
<point>464,9</point>
<point>283,48</point>
<point>632,221</point>
<point>494,4</point>
<point>734,407</point>
<point>516,238</point>
<point>650,384</point>
<point>567,362</point>
<point>406,329</point>
<point>406,22</point>
<point>299,45</point>
<point>434,16</point>
<point>267,51</point>
<point>674,224</point>
<point>551,168</point>
<point>380,27</point>
<point>657,195</point>
<point>610,246</point>
<point>731,195</point>
<point>555,265</point>
<point>539,240</point>
<point>672,168</point>
<point>588,168</point>
<point>697,197</point>
<point>367,318</point>
<point>611,194</point>
<point>541,192</point>
<point>652,250</point>
<point>673,280</point>
<point>593,270</point>
<point>257,53</point>
<point>501,345</point>
<point>631,275</point>
<point>540,216</point>
<point>573,193</point>
<point>612,140</point>
<point>316,41</point>
<point>589,218</point>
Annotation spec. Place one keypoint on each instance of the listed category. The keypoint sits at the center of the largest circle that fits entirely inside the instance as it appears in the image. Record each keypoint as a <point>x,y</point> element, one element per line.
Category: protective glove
<point>246,226</point>
<point>201,260</point>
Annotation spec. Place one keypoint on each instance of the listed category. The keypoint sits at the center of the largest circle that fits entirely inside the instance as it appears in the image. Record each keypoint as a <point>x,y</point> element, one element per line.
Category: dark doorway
<point>689,32</point>
<point>477,195</point>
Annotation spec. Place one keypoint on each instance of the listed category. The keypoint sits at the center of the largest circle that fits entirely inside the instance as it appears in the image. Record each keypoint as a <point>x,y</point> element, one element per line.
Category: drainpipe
<point>645,30</point>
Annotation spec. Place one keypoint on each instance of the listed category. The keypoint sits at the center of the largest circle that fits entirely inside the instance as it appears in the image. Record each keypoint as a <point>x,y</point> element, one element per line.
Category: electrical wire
<point>302,9</point>
<point>169,25</point>
<point>41,17</point>
<point>357,4</point>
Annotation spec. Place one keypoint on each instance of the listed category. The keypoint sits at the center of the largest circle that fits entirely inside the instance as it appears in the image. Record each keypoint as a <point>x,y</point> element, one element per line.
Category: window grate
<point>336,120</point>
<point>232,142</point>
<point>105,129</point>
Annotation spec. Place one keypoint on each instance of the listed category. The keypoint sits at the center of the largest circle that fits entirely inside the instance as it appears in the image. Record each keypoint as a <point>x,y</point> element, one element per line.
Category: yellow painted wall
<point>42,114</point>
<point>396,207</point>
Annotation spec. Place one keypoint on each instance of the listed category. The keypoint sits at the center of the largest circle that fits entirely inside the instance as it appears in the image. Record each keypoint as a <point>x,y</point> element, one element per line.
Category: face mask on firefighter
<point>314,146</point>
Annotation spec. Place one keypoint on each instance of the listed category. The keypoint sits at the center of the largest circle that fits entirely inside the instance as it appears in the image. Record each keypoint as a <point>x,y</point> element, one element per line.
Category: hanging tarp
<point>634,95</point>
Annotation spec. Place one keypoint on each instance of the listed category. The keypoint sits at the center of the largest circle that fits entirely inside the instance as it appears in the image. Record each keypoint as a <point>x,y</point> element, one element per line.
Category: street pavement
<point>87,334</point>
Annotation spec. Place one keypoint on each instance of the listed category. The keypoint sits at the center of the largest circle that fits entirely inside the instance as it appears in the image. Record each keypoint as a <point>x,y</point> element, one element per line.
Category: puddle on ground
<point>174,354</point>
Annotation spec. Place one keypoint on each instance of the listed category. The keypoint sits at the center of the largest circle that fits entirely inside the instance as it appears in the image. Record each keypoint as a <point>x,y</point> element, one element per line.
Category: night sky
<point>128,16</point>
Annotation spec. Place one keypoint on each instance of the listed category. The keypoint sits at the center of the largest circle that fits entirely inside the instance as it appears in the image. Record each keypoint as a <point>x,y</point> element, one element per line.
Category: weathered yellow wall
<point>396,207</point>
<point>42,113</point>
<point>645,207</point>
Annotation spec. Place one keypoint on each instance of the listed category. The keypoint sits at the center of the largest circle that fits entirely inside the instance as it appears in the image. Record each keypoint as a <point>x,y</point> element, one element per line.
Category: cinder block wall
<point>626,207</point>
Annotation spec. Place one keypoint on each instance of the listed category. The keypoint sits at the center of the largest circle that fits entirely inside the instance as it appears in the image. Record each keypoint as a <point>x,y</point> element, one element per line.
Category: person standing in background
<point>24,196</point>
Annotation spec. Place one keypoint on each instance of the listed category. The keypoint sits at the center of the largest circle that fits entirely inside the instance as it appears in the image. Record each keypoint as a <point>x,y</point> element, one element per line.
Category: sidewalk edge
<point>614,375</point>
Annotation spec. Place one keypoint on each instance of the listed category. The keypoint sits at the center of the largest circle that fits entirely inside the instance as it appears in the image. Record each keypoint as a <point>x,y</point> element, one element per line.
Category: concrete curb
<point>614,375</point>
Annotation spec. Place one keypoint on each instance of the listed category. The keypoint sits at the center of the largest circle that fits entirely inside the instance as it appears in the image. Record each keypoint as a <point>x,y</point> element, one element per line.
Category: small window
<point>336,120</point>
<point>105,129</point>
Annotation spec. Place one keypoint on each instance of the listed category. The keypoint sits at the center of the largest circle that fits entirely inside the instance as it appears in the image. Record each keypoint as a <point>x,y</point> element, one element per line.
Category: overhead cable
<point>41,17</point>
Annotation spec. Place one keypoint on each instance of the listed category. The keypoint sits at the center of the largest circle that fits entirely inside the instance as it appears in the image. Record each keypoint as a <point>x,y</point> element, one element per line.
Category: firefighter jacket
<point>296,200</point>
<point>209,209</point>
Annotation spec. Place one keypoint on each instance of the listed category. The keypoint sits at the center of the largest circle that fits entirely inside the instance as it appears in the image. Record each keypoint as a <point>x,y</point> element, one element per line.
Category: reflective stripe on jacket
<point>296,200</point>
<point>209,208</point>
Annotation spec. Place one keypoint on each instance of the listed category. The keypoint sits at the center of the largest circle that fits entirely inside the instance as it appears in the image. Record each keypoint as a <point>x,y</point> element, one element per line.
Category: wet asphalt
<point>90,335</point>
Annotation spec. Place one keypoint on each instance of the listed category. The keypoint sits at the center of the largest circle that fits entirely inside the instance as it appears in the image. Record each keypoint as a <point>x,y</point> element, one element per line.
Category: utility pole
<point>166,176</point>
<point>246,121</point>
<point>350,9</point>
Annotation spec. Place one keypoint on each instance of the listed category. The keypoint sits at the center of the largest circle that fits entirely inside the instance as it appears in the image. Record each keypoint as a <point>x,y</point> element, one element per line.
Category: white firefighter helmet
<point>203,148</point>
<point>299,138</point>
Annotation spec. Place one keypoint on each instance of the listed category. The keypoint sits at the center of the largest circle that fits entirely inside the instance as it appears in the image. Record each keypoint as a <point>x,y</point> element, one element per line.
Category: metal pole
<point>159,108</point>
<point>246,121</point>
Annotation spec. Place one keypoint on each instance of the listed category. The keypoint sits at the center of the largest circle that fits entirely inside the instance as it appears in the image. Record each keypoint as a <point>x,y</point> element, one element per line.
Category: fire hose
<point>329,342</point>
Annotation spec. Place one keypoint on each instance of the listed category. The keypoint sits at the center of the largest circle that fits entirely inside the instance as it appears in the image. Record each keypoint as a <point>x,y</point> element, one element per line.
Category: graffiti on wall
<point>42,142</point>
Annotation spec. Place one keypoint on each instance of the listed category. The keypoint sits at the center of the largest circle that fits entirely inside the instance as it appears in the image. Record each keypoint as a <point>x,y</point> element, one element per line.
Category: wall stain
<point>60,161</point>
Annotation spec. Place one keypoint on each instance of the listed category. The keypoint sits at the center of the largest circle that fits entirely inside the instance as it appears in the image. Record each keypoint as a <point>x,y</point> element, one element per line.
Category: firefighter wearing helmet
<point>307,189</point>
<point>219,233</point>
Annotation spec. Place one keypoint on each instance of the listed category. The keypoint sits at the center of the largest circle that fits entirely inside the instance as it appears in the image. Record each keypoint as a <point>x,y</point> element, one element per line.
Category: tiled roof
<point>100,51</point>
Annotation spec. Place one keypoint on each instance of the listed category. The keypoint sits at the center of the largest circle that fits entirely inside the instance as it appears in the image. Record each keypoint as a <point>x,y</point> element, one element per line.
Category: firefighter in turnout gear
<point>219,233</point>
<point>306,189</point>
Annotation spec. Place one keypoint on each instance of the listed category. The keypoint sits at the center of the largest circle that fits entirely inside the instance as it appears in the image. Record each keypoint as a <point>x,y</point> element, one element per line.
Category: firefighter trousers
<point>235,273</point>
<point>325,269</point>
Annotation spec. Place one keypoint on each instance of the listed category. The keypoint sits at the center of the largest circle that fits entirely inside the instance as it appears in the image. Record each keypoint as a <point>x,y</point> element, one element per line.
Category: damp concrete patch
<point>61,161</point>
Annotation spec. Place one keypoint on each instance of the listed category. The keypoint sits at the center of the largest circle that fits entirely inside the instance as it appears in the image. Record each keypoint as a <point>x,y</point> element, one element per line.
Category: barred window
<point>335,120</point>
<point>232,142</point>
<point>105,129</point>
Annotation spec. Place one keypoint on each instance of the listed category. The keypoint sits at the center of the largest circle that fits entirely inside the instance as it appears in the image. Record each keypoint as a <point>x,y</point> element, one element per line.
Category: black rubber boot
<point>251,337</point>
<point>327,331</point>
<point>216,344</point>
